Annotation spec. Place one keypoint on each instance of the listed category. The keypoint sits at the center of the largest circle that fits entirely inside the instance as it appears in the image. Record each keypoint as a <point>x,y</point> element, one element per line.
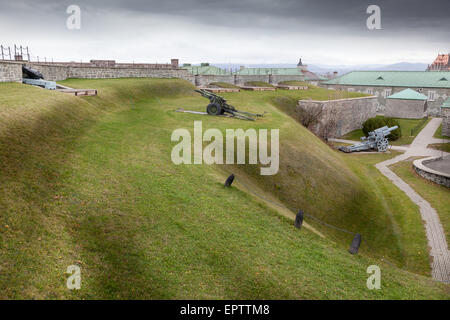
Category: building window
<point>350,89</point>
<point>387,93</point>
<point>431,95</point>
<point>369,91</point>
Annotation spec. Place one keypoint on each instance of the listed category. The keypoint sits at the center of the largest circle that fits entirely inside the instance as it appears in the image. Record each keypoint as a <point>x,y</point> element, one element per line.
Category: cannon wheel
<point>214,109</point>
<point>382,145</point>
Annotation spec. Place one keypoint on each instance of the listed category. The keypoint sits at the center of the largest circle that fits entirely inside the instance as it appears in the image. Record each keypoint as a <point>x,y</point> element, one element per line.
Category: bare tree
<point>309,115</point>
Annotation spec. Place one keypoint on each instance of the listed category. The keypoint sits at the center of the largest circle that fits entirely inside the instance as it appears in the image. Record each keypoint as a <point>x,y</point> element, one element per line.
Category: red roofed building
<point>441,63</point>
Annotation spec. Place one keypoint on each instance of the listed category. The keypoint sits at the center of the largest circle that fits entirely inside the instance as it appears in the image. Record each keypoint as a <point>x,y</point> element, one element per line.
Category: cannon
<point>35,78</point>
<point>218,106</point>
<point>376,139</point>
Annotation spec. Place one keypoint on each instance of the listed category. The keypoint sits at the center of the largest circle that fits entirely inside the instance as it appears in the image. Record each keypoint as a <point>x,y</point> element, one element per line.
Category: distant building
<point>441,63</point>
<point>206,74</point>
<point>435,85</point>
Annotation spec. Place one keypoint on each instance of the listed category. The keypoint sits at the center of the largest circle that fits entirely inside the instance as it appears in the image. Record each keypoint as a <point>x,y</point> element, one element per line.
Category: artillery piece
<point>218,106</point>
<point>377,139</point>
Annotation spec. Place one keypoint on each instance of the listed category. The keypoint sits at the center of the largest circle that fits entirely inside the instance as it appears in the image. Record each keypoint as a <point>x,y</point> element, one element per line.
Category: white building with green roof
<point>435,85</point>
<point>407,103</point>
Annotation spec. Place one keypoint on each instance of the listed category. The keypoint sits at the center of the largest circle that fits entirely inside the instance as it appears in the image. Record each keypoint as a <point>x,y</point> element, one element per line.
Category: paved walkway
<point>440,266</point>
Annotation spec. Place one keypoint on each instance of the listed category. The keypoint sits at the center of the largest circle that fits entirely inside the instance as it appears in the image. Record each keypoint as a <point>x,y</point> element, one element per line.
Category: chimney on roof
<point>174,63</point>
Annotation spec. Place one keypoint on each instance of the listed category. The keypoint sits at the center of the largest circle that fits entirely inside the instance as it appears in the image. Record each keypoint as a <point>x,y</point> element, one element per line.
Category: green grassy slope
<point>340,189</point>
<point>89,181</point>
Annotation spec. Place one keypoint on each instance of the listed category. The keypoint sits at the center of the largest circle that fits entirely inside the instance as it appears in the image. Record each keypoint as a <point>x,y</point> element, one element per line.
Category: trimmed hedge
<point>374,123</point>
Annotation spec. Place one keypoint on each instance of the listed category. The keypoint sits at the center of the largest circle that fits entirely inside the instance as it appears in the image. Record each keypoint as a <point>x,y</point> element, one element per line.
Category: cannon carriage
<point>376,139</point>
<point>219,106</point>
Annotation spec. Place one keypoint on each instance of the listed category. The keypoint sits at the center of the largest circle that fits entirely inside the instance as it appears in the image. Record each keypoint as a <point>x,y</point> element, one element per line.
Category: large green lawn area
<point>406,126</point>
<point>90,181</point>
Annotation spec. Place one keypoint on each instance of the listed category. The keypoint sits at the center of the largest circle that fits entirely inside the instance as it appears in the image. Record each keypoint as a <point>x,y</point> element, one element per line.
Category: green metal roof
<point>408,94</point>
<point>274,71</point>
<point>206,70</point>
<point>420,79</point>
<point>446,103</point>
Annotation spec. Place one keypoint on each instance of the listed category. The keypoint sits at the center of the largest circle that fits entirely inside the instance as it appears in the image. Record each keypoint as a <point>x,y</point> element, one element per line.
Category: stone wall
<point>51,72</point>
<point>339,117</point>
<point>10,71</point>
<point>61,72</point>
<point>438,177</point>
<point>445,113</point>
<point>104,73</point>
<point>203,80</point>
<point>411,109</point>
<point>433,106</point>
<point>242,79</point>
<point>276,79</point>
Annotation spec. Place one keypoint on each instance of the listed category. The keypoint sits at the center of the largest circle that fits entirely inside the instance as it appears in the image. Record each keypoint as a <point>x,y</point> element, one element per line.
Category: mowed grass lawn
<point>89,181</point>
<point>438,196</point>
<point>438,134</point>
<point>406,126</point>
<point>440,146</point>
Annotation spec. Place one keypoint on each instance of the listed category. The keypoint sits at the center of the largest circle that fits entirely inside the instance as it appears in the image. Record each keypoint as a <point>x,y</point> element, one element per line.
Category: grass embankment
<point>438,196</point>
<point>258,84</point>
<point>438,134</point>
<point>405,125</point>
<point>224,85</point>
<point>89,181</point>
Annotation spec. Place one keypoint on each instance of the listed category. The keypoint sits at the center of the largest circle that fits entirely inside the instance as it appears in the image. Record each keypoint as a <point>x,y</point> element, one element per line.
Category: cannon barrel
<point>383,130</point>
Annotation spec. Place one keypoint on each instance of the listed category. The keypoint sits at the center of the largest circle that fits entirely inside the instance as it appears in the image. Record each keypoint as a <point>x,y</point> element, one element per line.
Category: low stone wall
<point>338,117</point>
<point>51,72</point>
<point>276,79</point>
<point>105,73</point>
<point>410,109</point>
<point>445,113</point>
<point>430,174</point>
<point>203,80</point>
<point>10,71</point>
<point>242,79</point>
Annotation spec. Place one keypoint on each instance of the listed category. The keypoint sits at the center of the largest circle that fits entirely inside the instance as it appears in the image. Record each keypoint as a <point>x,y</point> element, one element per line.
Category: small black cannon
<point>218,106</point>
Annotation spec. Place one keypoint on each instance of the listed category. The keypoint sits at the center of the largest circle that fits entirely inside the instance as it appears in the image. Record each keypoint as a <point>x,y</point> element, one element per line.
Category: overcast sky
<point>230,31</point>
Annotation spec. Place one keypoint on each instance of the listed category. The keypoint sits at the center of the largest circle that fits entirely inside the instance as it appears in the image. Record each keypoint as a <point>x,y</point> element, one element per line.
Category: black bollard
<point>298,219</point>
<point>356,242</point>
<point>229,181</point>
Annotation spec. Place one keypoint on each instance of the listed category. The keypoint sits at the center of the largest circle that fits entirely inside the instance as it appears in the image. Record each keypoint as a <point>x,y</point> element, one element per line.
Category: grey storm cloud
<point>256,23</point>
<point>413,15</point>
